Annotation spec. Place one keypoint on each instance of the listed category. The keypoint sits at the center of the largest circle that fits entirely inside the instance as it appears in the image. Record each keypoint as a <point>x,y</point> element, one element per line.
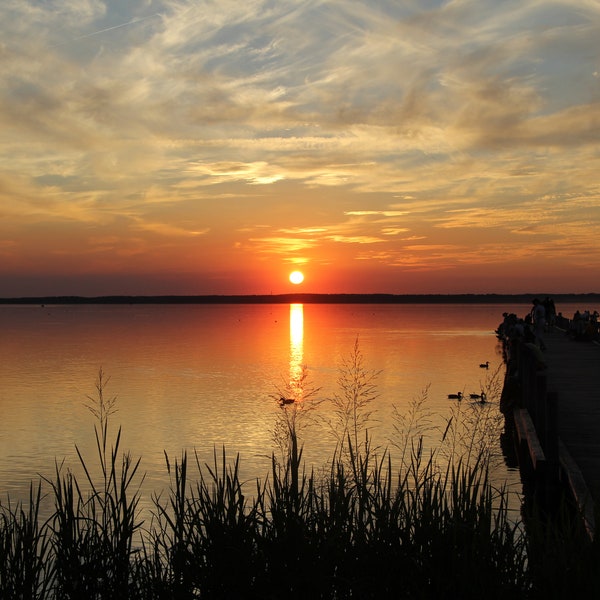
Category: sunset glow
<point>395,147</point>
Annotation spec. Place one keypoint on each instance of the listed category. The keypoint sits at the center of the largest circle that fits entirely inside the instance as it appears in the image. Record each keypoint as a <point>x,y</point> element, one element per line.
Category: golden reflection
<point>296,349</point>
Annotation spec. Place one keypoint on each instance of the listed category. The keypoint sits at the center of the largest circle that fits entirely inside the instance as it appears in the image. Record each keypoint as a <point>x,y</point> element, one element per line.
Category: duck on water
<point>459,396</point>
<point>481,397</point>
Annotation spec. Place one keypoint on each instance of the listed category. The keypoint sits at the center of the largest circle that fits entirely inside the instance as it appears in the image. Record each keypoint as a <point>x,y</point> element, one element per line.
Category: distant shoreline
<point>301,298</point>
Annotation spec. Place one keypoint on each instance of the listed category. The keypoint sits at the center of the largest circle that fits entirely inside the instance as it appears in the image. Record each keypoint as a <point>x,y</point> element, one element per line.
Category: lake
<point>198,377</point>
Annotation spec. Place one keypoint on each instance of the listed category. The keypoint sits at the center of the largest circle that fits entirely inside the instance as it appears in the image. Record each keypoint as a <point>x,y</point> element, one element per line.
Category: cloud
<point>281,245</point>
<point>383,213</point>
<point>354,239</point>
<point>171,230</point>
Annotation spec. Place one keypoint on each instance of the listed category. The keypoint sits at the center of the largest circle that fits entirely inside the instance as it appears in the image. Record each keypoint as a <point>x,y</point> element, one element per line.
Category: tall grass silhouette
<point>432,526</point>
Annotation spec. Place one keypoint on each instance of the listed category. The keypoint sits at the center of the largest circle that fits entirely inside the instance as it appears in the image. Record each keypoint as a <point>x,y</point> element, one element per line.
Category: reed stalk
<point>26,569</point>
<point>95,521</point>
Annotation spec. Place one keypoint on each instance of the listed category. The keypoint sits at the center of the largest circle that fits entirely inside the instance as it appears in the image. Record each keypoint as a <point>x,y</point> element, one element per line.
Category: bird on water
<point>457,396</point>
<point>485,365</point>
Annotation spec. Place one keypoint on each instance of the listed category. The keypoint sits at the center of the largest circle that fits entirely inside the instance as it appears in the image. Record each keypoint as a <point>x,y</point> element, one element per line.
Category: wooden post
<point>540,408</point>
<point>524,376</point>
<point>551,445</point>
<point>530,387</point>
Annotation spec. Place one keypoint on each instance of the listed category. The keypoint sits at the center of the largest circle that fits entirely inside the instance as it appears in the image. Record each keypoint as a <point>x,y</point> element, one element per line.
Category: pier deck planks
<point>574,374</point>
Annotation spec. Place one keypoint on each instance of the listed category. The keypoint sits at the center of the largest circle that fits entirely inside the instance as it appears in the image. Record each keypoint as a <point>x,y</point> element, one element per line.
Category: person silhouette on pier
<point>538,314</point>
<point>550,309</point>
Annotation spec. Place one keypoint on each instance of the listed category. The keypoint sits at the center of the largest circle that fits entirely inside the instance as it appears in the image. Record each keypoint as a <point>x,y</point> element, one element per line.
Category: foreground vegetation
<point>364,528</point>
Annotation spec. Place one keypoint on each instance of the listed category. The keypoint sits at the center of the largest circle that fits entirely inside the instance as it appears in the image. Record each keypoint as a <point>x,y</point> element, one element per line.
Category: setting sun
<point>296,277</point>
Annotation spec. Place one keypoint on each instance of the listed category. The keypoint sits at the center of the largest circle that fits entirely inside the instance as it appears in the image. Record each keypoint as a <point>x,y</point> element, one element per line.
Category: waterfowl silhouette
<point>283,401</point>
<point>457,396</point>
<point>485,365</point>
<point>481,397</point>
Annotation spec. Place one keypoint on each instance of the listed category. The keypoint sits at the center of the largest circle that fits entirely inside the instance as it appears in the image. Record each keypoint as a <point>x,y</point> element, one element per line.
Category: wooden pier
<point>573,373</point>
<point>557,417</point>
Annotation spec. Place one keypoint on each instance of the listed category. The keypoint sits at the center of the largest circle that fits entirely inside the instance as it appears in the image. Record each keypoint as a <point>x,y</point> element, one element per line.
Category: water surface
<point>199,377</point>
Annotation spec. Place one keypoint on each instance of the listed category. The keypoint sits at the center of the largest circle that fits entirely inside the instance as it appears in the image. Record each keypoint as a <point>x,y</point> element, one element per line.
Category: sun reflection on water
<point>296,349</point>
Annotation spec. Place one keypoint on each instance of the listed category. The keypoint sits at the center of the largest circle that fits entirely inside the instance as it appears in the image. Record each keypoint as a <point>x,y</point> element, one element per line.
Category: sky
<point>379,146</point>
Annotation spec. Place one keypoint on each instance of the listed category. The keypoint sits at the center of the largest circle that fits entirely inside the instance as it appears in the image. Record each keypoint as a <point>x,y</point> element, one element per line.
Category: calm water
<point>198,376</point>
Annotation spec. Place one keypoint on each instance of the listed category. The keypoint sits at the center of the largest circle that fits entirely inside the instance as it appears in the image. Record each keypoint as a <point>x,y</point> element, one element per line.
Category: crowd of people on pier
<point>583,326</point>
<point>532,327</point>
<point>530,330</point>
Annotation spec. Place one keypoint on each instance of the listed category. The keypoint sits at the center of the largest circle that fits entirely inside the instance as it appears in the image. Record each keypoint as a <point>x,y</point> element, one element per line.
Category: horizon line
<point>294,297</point>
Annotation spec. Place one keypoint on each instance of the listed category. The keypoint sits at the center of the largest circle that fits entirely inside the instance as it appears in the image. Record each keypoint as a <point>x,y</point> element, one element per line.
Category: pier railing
<point>535,419</point>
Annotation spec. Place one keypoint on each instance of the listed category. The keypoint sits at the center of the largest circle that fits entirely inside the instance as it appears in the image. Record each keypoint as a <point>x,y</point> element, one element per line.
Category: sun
<point>296,277</point>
